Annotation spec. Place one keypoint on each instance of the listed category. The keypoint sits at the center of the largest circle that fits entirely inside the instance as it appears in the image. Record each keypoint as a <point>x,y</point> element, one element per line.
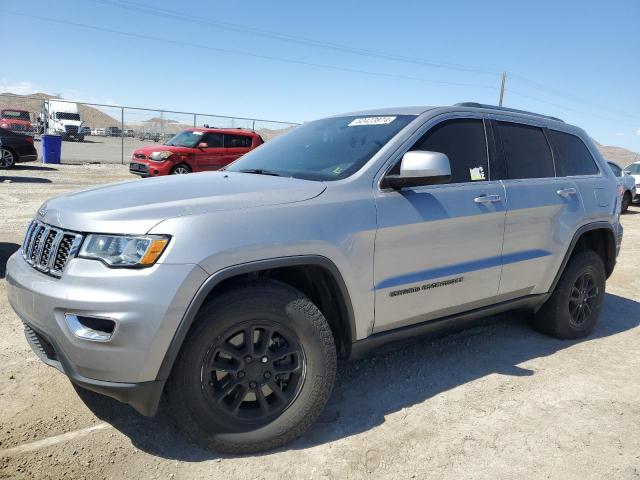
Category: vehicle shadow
<point>11,179</point>
<point>6,250</point>
<point>28,166</point>
<point>405,374</point>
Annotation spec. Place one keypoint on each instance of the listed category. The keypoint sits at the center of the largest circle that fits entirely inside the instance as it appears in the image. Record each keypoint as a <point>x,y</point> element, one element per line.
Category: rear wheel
<point>573,309</point>
<point>626,201</point>
<point>180,169</point>
<point>255,372</point>
<point>7,158</point>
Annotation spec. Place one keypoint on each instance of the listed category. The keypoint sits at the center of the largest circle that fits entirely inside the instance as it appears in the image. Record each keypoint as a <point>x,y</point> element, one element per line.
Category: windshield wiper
<point>260,171</point>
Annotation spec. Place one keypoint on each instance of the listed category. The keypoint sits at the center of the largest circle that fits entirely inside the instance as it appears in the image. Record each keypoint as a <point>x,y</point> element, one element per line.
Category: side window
<point>574,157</point>
<point>237,141</point>
<point>465,143</point>
<point>214,140</point>
<point>617,171</point>
<point>526,151</point>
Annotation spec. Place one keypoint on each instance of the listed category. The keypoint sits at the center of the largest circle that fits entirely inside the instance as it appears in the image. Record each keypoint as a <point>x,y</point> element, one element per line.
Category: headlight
<point>124,251</point>
<point>159,156</point>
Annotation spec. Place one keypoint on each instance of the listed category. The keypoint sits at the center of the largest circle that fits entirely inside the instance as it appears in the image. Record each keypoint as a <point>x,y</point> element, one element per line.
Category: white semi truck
<point>62,118</point>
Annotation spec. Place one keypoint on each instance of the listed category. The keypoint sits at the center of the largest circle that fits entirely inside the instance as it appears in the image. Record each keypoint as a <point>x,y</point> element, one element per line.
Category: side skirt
<point>444,325</point>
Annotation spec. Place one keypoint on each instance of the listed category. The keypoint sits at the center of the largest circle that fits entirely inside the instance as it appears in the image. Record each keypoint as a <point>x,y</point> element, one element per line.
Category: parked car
<point>112,132</point>
<point>194,150</point>
<point>129,133</point>
<point>86,131</point>
<point>18,121</point>
<point>98,132</point>
<point>627,184</point>
<point>234,293</point>
<point>15,147</point>
<point>152,136</point>
<point>634,171</point>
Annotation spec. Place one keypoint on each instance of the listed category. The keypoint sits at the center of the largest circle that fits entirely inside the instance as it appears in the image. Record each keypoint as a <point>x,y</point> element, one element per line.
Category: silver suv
<point>234,293</point>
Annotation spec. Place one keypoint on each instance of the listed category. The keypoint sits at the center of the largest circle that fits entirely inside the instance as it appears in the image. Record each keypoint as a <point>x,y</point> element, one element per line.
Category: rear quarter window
<point>237,141</point>
<point>572,155</point>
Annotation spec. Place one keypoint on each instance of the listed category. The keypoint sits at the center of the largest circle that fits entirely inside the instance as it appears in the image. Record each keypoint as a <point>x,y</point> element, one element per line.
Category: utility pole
<point>504,78</point>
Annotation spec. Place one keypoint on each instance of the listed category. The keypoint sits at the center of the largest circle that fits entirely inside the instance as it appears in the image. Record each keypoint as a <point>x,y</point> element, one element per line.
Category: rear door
<point>437,247</point>
<point>212,157</point>
<point>235,146</point>
<point>543,209</point>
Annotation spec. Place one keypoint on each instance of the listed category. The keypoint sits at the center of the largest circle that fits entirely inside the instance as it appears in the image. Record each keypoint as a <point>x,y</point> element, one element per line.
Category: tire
<point>197,401</point>
<point>7,158</point>
<point>180,169</point>
<point>626,201</point>
<point>562,316</point>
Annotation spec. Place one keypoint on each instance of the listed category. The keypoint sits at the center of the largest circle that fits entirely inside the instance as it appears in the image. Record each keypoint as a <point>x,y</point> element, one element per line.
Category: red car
<point>194,150</point>
<point>17,121</point>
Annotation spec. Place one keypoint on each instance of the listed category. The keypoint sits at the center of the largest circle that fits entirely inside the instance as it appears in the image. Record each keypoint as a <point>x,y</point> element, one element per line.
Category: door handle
<point>487,199</point>
<point>565,192</point>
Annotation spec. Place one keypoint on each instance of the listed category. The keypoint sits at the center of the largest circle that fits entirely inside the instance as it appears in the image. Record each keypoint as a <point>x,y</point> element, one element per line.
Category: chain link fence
<point>101,133</point>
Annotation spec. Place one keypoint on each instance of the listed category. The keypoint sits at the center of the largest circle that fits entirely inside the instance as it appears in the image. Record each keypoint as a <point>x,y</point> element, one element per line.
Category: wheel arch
<point>598,236</point>
<point>290,270</point>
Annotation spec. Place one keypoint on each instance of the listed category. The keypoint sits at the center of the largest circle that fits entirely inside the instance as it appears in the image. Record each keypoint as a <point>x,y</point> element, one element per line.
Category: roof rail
<point>505,109</point>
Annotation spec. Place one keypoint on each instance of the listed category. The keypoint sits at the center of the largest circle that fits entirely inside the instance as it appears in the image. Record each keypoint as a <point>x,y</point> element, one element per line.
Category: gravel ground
<point>496,401</point>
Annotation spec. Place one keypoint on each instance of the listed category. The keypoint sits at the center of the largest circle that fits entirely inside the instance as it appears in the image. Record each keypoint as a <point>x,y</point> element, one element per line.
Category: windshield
<point>186,138</point>
<point>328,149</point>
<point>15,114</point>
<point>634,168</point>
<point>67,116</point>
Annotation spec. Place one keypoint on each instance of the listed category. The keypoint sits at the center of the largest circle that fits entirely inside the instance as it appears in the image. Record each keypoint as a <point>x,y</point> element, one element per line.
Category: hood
<point>15,121</point>
<point>146,151</point>
<point>136,206</point>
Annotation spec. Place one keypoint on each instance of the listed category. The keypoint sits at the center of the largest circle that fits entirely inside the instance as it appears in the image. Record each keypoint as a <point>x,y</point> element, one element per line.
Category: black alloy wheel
<point>253,373</point>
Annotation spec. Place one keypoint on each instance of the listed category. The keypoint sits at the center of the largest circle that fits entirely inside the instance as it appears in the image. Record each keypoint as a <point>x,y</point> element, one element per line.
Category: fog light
<point>90,328</point>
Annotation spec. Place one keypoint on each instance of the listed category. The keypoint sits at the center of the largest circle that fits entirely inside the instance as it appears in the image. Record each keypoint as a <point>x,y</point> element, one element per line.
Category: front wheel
<point>573,309</point>
<point>256,370</point>
<point>180,169</point>
<point>7,158</point>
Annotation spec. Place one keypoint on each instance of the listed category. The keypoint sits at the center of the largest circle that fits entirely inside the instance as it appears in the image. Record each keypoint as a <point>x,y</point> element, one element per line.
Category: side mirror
<point>419,168</point>
<point>203,145</point>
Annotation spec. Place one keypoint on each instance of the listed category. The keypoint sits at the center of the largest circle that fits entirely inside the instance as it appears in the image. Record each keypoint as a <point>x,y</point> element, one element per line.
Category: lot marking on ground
<point>47,442</point>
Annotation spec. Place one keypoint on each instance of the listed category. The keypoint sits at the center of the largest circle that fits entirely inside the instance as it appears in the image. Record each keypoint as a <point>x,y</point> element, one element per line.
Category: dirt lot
<point>498,401</point>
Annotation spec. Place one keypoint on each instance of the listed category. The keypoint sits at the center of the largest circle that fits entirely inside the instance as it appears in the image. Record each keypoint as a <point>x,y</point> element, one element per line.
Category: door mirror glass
<point>203,145</point>
<point>419,168</point>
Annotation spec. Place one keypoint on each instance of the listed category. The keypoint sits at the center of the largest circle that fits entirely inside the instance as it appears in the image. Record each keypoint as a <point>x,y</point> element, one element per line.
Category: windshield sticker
<point>195,132</point>
<point>476,174</point>
<point>359,122</point>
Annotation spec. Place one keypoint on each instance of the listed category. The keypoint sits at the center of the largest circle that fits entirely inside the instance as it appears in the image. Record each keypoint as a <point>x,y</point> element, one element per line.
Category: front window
<point>186,138</point>
<point>15,115</point>
<point>68,116</point>
<point>634,169</point>
<point>328,149</point>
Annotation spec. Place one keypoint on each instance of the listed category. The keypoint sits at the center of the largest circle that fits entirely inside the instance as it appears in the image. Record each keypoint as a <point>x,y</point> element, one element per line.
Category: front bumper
<point>147,306</point>
<point>148,168</point>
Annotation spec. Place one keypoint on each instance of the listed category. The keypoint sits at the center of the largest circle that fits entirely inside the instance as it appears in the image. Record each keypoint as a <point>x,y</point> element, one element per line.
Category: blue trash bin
<point>51,148</point>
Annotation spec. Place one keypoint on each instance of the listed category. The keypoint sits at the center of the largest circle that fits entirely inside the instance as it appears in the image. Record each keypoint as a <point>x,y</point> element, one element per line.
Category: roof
<point>465,106</point>
<point>234,131</point>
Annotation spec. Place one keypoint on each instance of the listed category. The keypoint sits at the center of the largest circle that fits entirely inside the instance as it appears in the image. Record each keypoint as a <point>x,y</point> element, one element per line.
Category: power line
<point>191,19</point>
<point>250,54</point>
<point>564,107</point>
<point>571,97</point>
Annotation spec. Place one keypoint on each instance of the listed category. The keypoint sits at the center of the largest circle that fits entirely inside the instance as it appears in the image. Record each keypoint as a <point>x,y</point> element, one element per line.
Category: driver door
<point>438,247</point>
<point>212,157</point>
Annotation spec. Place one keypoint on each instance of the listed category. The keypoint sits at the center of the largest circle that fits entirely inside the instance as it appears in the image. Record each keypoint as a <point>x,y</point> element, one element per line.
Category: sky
<point>297,61</point>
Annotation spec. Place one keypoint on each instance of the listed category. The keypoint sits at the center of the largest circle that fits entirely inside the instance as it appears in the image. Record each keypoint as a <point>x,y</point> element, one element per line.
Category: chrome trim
<point>39,228</point>
<point>85,333</point>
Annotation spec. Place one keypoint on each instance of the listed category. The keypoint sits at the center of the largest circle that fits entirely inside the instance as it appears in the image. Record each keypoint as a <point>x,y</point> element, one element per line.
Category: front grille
<point>39,342</point>
<point>48,248</point>
<point>71,129</point>
<point>139,155</point>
